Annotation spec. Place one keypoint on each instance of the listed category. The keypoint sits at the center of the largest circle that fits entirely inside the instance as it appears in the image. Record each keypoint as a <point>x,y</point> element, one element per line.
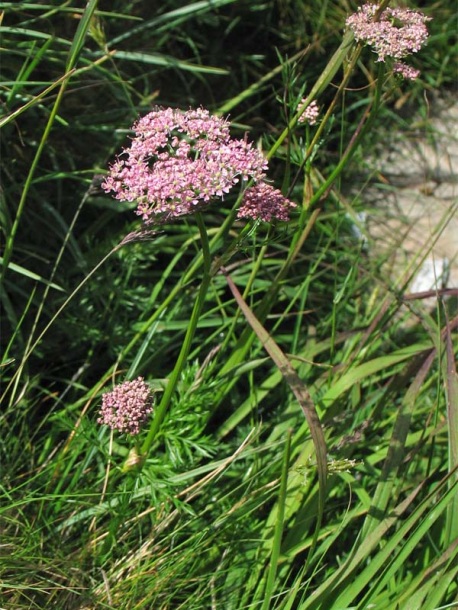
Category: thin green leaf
<point>158,59</point>
<point>451,388</point>
<point>80,35</point>
<point>357,374</point>
<point>31,275</point>
<point>396,450</point>
<point>277,538</point>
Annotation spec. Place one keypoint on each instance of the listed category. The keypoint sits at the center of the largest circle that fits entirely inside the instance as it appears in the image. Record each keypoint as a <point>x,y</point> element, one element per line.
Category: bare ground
<point>416,202</point>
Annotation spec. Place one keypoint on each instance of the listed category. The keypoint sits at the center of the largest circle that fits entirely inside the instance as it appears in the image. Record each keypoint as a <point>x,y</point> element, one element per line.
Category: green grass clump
<point>303,453</point>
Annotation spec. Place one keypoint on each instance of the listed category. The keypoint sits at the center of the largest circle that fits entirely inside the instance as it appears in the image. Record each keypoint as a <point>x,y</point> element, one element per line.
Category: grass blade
<point>276,543</point>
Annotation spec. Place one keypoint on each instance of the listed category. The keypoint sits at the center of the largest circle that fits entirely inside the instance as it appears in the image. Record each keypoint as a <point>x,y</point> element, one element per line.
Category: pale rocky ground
<point>416,211</point>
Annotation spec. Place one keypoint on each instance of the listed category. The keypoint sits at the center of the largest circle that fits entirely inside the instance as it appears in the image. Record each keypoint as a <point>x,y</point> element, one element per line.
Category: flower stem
<point>163,407</point>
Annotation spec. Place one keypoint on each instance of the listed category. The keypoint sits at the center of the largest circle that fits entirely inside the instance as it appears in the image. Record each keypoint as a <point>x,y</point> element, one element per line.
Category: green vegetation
<point>306,452</point>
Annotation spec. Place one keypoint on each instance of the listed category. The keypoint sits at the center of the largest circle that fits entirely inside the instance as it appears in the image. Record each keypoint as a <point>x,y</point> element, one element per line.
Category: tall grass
<point>304,448</point>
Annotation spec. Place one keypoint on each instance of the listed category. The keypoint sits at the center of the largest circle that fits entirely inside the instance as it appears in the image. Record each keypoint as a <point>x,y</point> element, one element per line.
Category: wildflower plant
<point>177,164</point>
<point>211,503</point>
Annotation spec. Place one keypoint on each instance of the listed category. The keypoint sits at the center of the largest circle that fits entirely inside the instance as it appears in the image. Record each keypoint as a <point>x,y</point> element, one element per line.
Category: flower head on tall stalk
<point>178,162</point>
<point>395,33</point>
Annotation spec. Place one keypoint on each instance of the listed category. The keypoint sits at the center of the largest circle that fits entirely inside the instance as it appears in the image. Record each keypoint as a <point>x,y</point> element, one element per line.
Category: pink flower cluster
<point>396,33</point>
<point>179,161</point>
<point>263,202</point>
<point>127,407</point>
<point>407,72</point>
<point>310,114</point>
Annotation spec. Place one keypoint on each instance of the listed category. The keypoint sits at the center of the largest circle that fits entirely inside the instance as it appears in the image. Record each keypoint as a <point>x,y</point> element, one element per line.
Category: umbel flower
<point>264,202</point>
<point>127,407</point>
<point>310,114</point>
<point>405,71</point>
<point>178,162</point>
<point>396,33</point>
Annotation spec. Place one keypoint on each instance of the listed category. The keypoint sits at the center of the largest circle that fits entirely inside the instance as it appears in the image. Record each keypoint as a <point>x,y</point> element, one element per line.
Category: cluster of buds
<point>127,407</point>
<point>310,114</point>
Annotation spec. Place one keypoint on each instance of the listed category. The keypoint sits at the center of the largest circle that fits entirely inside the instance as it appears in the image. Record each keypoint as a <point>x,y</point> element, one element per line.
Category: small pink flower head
<point>406,71</point>
<point>310,114</point>
<point>127,407</point>
<point>397,32</point>
<point>263,202</point>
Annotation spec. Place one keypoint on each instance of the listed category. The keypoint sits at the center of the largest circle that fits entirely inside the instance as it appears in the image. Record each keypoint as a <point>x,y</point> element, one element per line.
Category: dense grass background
<point>226,512</point>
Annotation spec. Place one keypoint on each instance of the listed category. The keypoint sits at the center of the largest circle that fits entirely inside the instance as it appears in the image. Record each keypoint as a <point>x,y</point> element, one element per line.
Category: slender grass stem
<point>75,49</point>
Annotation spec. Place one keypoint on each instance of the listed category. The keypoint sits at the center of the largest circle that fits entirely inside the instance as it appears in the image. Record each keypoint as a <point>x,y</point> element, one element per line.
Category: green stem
<point>323,81</point>
<point>363,127</point>
<point>163,407</point>
<point>187,277</point>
